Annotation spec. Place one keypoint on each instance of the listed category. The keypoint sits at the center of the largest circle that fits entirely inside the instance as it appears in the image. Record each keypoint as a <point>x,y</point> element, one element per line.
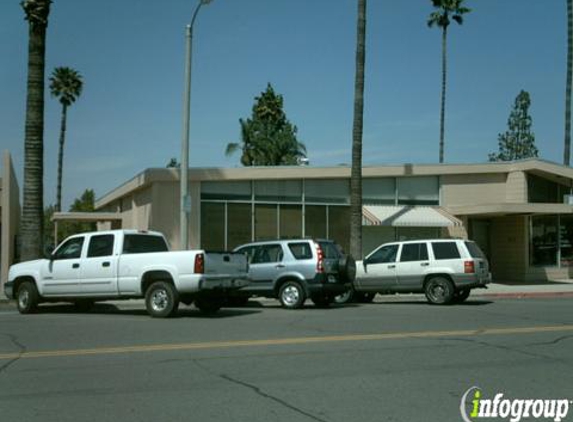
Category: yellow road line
<point>286,341</point>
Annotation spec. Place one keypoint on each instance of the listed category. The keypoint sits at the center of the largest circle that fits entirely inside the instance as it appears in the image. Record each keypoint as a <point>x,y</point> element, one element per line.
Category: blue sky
<point>131,55</point>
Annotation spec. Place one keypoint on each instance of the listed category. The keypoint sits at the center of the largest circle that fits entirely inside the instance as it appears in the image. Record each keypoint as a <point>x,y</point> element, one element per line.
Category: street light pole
<point>185,198</point>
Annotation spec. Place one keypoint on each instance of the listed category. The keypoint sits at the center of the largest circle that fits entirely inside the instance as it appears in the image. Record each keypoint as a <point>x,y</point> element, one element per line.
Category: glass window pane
<point>339,226</point>
<point>315,221</point>
<point>101,245</point>
<point>143,243</point>
<point>72,249</point>
<point>300,250</point>
<point>213,226</point>
<point>226,190</point>
<point>334,191</point>
<point>544,240</point>
<point>278,190</point>
<point>265,222</point>
<point>445,250</point>
<point>239,224</point>
<point>540,190</point>
<point>379,191</point>
<point>267,253</point>
<point>384,254</point>
<point>290,221</point>
<point>566,240</point>
<point>414,252</point>
<point>418,190</point>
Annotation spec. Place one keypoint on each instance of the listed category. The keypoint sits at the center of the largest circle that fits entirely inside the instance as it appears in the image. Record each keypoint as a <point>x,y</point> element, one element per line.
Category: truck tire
<point>322,301</point>
<point>439,290</point>
<point>367,297</point>
<point>27,297</point>
<point>161,300</point>
<point>346,297</point>
<point>208,306</point>
<point>292,295</point>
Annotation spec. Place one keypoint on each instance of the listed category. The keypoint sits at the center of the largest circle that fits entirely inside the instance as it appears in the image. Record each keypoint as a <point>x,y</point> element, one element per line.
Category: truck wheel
<point>461,295</point>
<point>347,269</point>
<point>292,295</point>
<point>365,297</point>
<point>161,300</point>
<point>28,298</point>
<point>439,290</point>
<point>208,306</point>
<point>346,297</point>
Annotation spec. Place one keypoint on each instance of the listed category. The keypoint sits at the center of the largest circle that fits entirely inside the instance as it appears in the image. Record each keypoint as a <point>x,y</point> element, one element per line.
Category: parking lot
<point>390,360</point>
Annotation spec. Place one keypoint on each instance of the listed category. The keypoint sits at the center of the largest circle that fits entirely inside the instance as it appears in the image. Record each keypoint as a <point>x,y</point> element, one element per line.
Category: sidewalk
<point>536,289</point>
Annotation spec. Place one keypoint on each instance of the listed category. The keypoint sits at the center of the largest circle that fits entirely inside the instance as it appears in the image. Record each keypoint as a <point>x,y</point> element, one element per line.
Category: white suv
<point>444,269</point>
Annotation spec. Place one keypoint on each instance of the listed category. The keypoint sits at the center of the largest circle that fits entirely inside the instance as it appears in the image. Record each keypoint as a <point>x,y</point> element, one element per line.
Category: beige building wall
<point>165,216</point>
<point>10,216</point>
<point>470,189</point>
<point>516,187</point>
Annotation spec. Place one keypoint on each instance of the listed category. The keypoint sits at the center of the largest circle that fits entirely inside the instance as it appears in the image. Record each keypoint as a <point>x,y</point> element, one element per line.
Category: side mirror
<point>48,250</point>
<point>365,264</point>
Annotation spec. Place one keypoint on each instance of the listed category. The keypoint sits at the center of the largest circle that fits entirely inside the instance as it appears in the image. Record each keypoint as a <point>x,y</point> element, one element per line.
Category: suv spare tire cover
<point>347,268</point>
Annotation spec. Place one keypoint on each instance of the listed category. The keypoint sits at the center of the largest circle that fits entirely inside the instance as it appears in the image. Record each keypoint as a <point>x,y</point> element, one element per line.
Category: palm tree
<point>567,151</point>
<point>65,85</point>
<point>32,228</point>
<point>447,10</point>
<point>356,171</point>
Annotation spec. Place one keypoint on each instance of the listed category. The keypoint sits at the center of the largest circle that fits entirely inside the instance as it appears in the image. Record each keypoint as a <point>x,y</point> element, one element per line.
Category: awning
<point>407,216</point>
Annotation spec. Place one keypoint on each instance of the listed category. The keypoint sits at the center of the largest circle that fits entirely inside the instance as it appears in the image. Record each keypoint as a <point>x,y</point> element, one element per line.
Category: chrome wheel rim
<point>290,295</point>
<point>24,299</point>
<point>159,300</point>
<point>343,298</point>
<point>438,291</point>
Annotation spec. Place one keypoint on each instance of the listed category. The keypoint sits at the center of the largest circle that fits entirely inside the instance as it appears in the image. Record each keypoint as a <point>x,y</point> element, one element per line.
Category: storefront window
<point>239,224</point>
<point>418,190</point>
<point>266,222</point>
<point>566,240</point>
<point>543,248</point>
<point>290,221</point>
<point>226,190</point>
<point>278,190</point>
<point>213,226</point>
<point>339,226</point>
<point>379,191</point>
<point>334,191</point>
<point>315,221</point>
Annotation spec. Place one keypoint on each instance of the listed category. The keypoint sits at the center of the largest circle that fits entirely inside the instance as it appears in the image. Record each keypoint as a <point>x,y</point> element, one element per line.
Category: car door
<point>412,265</point>
<point>378,270</point>
<point>265,266</point>
<point>63,272</point>
<point>99,267</point>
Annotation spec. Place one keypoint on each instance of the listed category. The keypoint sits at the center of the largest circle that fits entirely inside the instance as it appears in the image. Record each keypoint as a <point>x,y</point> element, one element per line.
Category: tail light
<point>469,267</point>
<point>320,259</point>
<point>199,267</point>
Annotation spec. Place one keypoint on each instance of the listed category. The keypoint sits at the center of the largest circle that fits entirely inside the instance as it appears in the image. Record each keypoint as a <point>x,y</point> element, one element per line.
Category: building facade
<point>9,216</point>
<point>518,212</point>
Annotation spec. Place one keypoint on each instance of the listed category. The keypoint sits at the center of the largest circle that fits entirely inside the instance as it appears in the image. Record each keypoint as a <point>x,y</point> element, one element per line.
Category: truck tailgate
<point>226,263</point>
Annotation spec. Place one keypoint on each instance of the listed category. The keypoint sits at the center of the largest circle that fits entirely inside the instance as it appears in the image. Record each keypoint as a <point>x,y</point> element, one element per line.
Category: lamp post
<point>185,198</point>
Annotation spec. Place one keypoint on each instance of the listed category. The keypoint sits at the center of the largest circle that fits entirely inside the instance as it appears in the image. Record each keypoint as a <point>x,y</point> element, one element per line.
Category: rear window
<point>474,250</point>
<point>445,250</point>
<point>301,250</point>
<point>142,243</point>
<point>330,250</point>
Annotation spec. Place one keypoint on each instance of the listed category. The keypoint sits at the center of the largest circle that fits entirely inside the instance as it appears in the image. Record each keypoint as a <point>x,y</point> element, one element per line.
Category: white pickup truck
<point>127,264</point>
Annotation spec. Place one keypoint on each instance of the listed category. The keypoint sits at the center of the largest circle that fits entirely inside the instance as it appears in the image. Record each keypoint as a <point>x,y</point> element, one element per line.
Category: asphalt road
<point>388,361</point>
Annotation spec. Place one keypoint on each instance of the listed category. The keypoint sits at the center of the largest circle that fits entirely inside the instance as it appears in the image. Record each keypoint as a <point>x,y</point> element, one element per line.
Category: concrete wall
<point>516,187</point>
<point>10,217</point>
<point>469,189</point>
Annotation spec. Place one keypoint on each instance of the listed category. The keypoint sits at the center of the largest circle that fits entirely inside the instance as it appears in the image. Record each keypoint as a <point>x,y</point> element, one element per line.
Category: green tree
<point>267,137</point>
<point>173,163</point>
<point>567,146</point>
<point>65,85</point>
<point>518,142</point>
<point>357,126</point>
<point>31,226</point>
<point>447,10</point>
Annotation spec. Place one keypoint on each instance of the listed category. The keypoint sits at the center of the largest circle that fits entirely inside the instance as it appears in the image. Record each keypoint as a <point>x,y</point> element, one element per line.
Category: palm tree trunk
<point>567,146</point>
<point>443,105</point>
<point>61,157</point>
<point>356,172</point>
<point>32,227</point>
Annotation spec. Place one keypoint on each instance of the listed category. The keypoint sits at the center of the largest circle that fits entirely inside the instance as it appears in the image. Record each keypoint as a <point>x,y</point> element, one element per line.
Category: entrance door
<point>479,233</point>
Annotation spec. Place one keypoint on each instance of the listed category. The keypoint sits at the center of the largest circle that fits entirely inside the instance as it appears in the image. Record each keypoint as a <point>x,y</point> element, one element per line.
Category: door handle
<point>105,264</point>
<point>425,264</point>
<point>391,266</point>
<point>279,266</point>
<point>75,265</point>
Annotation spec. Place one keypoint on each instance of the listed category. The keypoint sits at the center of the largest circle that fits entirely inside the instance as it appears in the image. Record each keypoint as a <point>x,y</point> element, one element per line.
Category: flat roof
<point>154,175</point>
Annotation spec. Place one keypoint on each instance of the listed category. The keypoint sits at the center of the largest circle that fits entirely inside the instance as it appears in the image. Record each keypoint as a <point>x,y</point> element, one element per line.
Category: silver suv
<point>444,269</point>
<point>296,269</point>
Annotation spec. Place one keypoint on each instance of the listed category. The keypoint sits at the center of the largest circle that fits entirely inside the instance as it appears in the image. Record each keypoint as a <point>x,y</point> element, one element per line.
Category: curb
<point>525,295</point>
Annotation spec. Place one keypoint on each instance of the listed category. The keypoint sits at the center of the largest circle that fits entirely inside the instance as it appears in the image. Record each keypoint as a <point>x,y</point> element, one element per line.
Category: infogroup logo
<point>479,407</point>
